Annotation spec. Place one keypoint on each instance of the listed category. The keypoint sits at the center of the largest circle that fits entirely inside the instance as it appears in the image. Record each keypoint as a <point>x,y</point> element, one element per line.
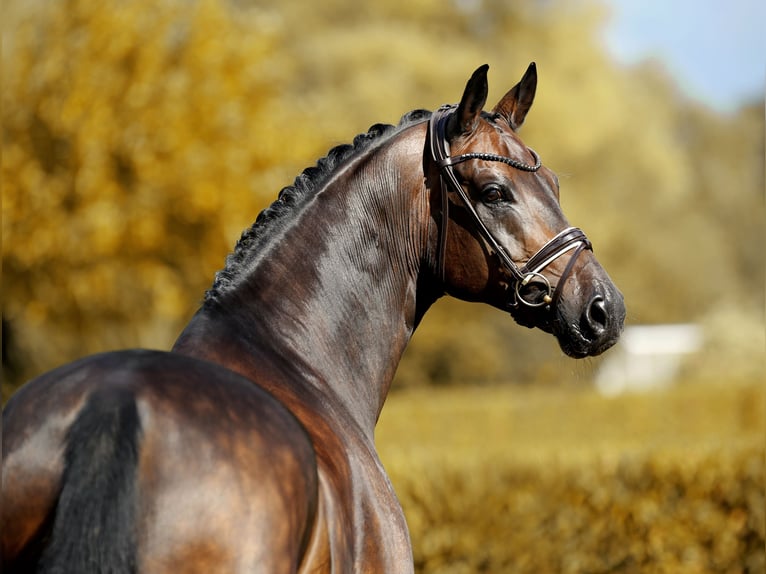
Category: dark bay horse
<point>249,447</point>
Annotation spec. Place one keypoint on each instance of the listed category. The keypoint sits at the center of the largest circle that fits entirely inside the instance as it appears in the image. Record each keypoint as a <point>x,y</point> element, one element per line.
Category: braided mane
<point>293,197</point>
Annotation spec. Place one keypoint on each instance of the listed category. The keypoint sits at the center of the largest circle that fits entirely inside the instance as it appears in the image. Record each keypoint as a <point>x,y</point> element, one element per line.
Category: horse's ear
<point>465,120</point>
<point>516,103</point>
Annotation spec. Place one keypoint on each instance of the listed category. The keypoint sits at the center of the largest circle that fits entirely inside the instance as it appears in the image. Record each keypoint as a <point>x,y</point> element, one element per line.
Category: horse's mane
<point>293,197</point>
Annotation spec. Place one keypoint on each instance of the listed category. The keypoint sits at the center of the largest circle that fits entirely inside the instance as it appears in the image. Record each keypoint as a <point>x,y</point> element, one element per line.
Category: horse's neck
<point>330,304</point>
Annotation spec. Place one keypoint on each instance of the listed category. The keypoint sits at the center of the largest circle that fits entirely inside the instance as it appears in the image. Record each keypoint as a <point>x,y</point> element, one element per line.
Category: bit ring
<point>537,278</point>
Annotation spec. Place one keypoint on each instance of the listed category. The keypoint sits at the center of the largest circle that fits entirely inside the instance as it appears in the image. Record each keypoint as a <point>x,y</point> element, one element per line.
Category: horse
<point>249,446</point>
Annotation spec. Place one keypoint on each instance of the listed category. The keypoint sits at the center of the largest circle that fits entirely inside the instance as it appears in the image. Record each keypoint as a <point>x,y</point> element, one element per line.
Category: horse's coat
<point>249,447</point>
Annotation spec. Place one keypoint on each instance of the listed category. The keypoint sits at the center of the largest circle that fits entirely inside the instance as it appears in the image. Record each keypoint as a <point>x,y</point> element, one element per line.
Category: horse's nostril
<point>596,317</point>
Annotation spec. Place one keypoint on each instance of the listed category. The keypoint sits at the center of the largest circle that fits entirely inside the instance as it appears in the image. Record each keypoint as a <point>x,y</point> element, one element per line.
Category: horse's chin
<point>574,345</point>
<point>577,346</point>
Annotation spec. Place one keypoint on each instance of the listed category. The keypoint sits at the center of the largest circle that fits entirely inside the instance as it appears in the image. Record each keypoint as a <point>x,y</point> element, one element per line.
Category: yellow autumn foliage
<point>140,139</point>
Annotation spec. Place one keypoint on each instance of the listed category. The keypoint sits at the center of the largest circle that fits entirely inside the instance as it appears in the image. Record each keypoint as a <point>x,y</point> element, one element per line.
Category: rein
<point>530,273</point>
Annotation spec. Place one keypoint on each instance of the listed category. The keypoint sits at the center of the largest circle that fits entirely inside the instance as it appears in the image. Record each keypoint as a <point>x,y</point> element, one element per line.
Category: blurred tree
<point>139,139</point>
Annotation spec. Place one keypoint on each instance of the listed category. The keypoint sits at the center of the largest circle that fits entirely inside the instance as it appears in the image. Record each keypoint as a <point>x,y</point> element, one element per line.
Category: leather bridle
<point>521,277</point>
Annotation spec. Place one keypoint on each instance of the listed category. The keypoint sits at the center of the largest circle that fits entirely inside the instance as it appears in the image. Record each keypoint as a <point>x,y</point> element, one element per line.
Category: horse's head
<point>503,238</point>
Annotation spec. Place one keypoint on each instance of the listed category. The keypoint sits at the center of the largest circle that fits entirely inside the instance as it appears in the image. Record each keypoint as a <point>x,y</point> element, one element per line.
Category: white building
<point>647,357</point>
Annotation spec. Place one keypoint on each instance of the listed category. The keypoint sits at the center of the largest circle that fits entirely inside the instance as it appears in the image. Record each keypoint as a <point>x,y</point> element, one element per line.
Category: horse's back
<point>197,459</point>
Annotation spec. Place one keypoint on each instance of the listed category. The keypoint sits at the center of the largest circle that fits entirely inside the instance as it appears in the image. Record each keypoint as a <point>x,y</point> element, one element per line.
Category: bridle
<point>530,273</point>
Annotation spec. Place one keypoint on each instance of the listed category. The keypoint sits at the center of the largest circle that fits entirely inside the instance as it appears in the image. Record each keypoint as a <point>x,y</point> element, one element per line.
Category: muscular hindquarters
<point>226,477</point>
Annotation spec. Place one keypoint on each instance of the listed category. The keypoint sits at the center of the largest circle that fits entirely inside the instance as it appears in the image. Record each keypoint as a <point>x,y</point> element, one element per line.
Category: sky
<point>715,49</point>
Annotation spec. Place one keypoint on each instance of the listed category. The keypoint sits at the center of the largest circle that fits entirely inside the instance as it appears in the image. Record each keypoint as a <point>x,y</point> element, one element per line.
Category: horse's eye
<point>492,194</point>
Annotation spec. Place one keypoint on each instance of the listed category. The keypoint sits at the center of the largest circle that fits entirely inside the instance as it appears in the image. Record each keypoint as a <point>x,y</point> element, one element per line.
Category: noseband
<point>531,272</point>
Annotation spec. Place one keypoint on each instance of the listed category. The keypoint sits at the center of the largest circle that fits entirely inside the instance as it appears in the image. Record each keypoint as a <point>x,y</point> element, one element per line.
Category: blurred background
<point>140,138</point>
